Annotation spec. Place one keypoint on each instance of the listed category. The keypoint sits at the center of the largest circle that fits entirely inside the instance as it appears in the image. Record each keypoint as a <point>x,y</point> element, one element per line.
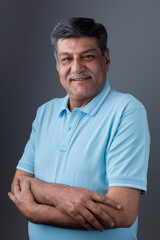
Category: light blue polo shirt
<point>104,144</point>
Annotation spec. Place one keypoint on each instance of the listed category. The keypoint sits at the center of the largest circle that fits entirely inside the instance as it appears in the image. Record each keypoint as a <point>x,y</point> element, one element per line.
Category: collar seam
<point>101,101</point>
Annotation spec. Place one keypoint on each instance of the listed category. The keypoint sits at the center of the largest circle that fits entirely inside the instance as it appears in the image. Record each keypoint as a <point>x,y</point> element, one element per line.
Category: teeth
<point>78,79</point>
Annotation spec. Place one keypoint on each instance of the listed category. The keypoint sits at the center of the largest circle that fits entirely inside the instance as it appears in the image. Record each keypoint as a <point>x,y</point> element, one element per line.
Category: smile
<point>80,79</point>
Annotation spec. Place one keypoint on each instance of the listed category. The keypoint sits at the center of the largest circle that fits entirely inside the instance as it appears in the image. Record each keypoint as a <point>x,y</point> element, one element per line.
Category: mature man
<point>85,164</point>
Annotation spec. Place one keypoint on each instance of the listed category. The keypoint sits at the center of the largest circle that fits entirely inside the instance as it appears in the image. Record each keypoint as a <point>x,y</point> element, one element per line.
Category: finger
<point>81,220</point>
<point>91,219</point>
<point>94,208</point>
<point>16,188</point>
<point>25,186</point>
<point>12,197</point>
<point>106,200</point>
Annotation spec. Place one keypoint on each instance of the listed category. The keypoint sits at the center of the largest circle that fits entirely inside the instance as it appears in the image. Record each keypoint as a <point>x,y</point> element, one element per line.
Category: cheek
<point>63,72</point>
<point>97,66</point>
<point>93,68</point>
<point>101,68</point>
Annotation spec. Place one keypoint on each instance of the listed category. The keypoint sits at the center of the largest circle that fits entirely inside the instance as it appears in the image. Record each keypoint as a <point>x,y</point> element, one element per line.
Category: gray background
<point>29,78</point>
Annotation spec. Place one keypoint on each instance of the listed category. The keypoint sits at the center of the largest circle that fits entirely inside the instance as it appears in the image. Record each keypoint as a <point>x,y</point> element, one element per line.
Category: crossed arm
<point>72,207</point>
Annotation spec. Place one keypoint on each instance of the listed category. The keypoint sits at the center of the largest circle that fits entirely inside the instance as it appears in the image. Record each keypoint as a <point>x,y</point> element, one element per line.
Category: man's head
<point>82,56</point>
<point>79,27</point>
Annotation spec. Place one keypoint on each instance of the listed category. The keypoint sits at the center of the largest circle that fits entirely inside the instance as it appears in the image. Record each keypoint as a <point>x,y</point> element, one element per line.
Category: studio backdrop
<point>29,79</point>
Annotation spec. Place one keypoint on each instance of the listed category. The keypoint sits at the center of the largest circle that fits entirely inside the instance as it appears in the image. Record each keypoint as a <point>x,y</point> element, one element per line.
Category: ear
<point>107,59</point>
<point>57,66</point>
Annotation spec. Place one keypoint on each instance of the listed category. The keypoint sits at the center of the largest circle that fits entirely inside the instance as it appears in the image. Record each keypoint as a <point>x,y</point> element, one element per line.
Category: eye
<point>66,59</point>
<point>88,57</point>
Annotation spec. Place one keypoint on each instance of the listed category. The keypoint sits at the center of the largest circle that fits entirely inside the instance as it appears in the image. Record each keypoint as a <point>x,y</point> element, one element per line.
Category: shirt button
<point>69,128</point>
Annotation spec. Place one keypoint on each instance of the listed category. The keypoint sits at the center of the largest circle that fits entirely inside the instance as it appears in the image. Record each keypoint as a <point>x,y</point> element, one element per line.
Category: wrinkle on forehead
<point>83,52</point>
<point>77,45</point>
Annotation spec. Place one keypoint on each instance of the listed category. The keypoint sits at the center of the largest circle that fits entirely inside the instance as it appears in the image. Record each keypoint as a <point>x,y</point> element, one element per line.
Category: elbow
<point>21,175</point>
<point>127,224</point>
<point>12,186</point>
<point>126,221</point>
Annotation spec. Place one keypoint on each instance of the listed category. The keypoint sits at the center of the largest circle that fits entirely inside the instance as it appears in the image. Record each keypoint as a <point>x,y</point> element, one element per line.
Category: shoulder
<point>52,106</point>
<point>124,101</point>
<point>129,112</point>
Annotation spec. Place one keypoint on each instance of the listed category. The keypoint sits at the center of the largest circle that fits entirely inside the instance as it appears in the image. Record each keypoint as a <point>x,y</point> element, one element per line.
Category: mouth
<point>80,79</point>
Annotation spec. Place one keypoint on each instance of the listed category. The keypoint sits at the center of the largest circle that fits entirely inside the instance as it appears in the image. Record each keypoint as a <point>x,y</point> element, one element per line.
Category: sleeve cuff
<point>25,170</point>
<point>25,167</point>
<point>132,183</point>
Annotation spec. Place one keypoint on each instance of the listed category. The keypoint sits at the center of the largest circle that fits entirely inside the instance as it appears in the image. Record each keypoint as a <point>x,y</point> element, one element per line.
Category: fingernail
<point>102,229</point>
<point>112,224</point>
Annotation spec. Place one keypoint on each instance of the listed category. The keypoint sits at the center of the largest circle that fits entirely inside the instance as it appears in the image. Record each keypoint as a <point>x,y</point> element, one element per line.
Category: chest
<point>72,150</point>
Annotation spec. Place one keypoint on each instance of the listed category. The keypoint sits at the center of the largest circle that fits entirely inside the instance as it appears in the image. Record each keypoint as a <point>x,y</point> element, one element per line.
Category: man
<point>85,164</point>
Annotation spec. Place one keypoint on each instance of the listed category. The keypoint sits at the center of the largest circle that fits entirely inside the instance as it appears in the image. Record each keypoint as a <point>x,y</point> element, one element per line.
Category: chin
<point>84,95</point>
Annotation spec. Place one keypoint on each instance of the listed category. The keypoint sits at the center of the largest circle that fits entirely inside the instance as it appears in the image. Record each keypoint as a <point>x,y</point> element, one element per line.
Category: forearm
<point>24,200</point>
<point>129,200</point>
<point>65,197</point>
<point>44,214</point>
<point>43,192</point>
<point>124,217</point>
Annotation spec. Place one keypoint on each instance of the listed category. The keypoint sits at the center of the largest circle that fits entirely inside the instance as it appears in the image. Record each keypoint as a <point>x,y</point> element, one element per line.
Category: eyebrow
<point>89,50</point>
<point>83,52</point>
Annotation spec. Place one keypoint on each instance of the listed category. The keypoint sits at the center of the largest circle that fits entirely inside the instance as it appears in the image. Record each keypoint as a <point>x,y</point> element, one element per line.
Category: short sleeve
<point>127,158</point>
<point>26,163</point>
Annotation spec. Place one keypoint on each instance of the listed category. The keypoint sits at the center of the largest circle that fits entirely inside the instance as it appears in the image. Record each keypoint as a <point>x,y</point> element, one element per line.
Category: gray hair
<point>79,27</point>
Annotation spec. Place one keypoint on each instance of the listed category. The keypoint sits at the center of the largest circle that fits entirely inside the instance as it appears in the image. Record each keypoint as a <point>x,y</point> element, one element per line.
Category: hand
<point>23,198</point>
<point>80,203</point>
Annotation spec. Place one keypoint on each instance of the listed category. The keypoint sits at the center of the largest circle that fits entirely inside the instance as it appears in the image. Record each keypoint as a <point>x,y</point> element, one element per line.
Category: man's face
<point>82,68</point>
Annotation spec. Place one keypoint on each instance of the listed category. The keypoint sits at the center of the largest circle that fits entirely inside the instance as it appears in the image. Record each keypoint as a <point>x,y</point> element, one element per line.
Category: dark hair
<point>79,27</point>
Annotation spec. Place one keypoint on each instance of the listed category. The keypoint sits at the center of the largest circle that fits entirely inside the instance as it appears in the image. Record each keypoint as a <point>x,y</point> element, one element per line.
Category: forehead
<point>77,45</point>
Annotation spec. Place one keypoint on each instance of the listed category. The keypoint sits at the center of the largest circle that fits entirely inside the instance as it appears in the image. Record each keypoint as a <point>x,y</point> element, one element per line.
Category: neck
<point>78,103</point>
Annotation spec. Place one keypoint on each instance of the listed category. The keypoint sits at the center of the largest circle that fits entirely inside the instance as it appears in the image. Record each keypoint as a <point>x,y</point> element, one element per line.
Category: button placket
<point>70,129</point>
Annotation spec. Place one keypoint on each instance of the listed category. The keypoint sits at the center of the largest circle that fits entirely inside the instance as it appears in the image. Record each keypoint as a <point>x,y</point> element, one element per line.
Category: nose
<point>77,66</point>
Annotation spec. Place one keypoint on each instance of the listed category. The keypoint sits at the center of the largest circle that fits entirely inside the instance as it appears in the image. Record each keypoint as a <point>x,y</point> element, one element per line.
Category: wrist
<point>30,212</point>
<point>42,191</point>
<point>53,193</point>
<point>47,193</point>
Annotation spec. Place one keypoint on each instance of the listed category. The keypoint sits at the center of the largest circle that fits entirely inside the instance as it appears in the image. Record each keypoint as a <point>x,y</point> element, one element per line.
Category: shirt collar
<point>93,106</point>
<point>64,106</point>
